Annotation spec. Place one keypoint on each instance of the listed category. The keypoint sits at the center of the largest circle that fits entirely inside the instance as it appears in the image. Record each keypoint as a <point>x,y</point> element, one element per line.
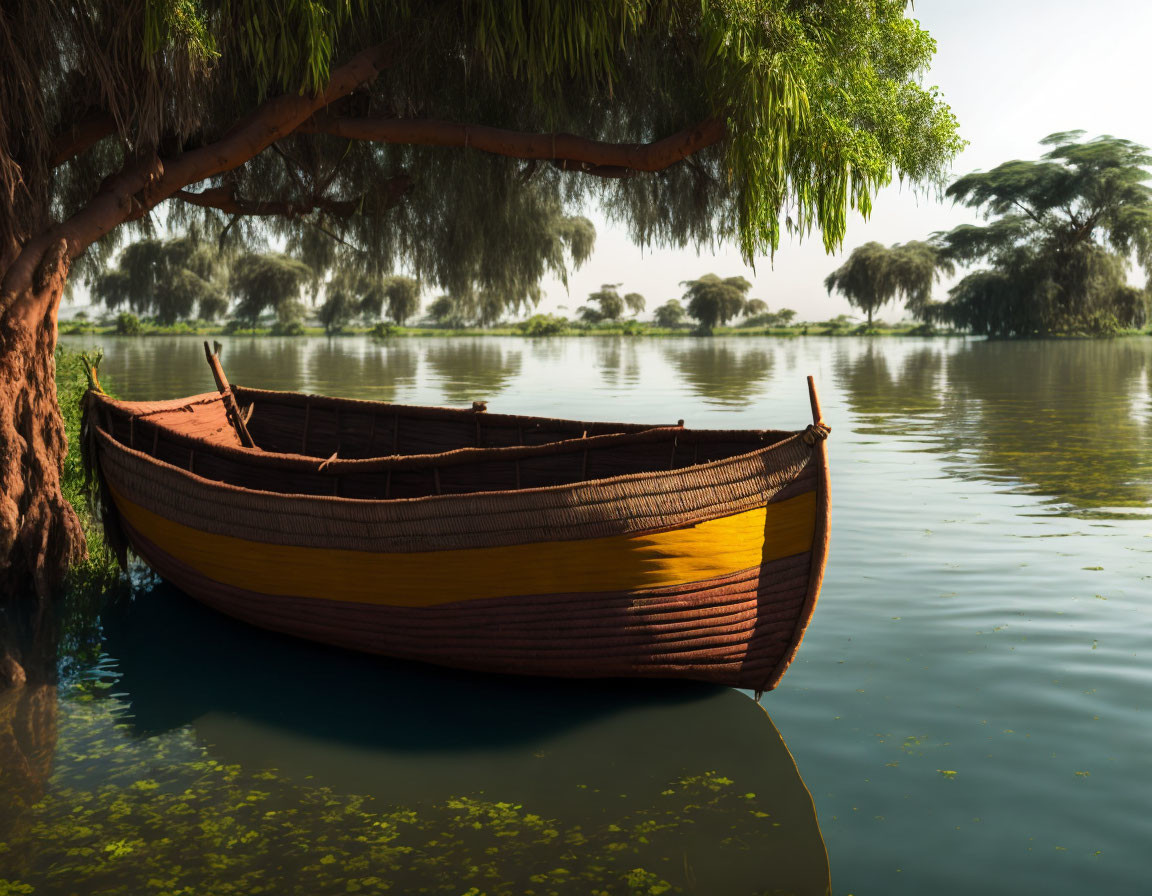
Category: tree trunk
<point>40,534</point>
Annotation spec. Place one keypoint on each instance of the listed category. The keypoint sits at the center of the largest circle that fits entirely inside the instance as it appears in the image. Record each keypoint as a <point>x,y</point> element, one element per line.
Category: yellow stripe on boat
<point>615,563</point>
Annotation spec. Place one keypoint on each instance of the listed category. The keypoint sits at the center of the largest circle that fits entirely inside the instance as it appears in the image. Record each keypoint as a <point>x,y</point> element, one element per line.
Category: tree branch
<point>224,198</point>
<point>144,183</point>
<point>79,138</point>
<point>568,151</point>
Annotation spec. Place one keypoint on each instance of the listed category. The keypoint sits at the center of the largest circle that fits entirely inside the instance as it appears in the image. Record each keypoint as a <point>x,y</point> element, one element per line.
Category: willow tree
<point>606,303</point>
<point>268,280</point>
<point>714,301</point>
<point>874,275</point>
<point>669,315</point>
<point>169,279</point>
<point>433,134</point>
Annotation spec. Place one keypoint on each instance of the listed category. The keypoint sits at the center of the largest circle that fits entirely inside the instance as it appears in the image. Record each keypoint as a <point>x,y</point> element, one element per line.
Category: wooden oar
<point>230,405</point>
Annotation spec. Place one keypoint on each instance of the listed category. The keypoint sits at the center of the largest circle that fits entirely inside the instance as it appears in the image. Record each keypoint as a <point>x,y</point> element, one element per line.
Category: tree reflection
<point>376,371</point>
<point>618,360</point>
<point>1070,420</point>
<point>721,372</point>
<point>473,370</point>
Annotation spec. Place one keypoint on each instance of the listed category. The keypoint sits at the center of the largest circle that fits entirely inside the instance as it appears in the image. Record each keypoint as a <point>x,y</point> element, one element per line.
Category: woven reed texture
<point>739,629</point>
<point>636,503</point>
<point>320,426</point>
<point>202,418</point>
<point>732,630</point>
<point>820,543</point>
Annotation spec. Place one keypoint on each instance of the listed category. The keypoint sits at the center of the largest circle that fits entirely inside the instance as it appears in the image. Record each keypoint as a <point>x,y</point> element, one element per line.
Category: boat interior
<point>327,446</point>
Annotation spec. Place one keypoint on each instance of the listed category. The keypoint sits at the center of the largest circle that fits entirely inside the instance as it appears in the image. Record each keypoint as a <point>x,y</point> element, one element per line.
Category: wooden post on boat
<point>817,430</point>
<point>230,406</point>
<point>817,417</point>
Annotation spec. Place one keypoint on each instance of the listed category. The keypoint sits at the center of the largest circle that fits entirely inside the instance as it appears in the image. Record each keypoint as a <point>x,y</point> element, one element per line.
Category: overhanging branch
<point>145,182</point>
<point>568,151</point>
<point>224,199</point>
<point>80,137</point>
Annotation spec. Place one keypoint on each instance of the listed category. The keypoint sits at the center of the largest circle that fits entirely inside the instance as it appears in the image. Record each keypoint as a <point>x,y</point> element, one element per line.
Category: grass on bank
<point>100,571</point>
<point>128,324</point>
<point>536,326</point>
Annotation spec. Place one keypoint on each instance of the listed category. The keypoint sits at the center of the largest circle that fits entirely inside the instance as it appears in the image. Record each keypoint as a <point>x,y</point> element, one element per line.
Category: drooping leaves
<point>714,302</point>
<point>169,279</point>
<point>821,103</point>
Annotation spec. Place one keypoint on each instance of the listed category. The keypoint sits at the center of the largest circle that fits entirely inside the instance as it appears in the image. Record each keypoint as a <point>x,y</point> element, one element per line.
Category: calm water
<point>969,711</point>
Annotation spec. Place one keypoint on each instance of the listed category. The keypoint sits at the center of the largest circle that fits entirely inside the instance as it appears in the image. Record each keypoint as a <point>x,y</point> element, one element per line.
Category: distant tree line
<point>1054,257</point>
<point>185,278</point>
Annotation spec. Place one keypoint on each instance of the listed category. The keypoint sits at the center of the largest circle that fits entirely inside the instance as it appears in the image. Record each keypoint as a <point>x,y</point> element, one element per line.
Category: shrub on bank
<point>287,328</point>
<point>543,325</point>
<point>128,324</point>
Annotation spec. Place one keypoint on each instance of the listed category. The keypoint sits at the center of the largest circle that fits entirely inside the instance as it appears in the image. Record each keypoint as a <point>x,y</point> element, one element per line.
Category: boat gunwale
<point>337,466</point>
<point>300,399</point>
<point>303,399</point>
<point>338,500</point>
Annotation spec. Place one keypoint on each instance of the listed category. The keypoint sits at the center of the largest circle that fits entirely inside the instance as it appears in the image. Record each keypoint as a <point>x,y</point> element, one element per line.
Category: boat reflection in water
<point>689,782</point>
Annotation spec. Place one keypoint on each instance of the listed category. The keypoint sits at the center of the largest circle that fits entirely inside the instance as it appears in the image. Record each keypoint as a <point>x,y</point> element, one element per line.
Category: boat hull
<point>708,573</point>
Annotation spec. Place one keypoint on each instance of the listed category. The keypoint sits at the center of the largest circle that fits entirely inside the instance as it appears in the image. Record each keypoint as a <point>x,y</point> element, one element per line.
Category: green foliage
<point>337,311</point>
<point>821,102</point>
<point>169,279</point>
<point>268,280</point>
<point>292,327</point>
<point>353,292</point>
<point>1057,250</point>
<point>714,302</point>
<point>382,330</point>
<point>128,324</point>
<point>770,319</point>
<point>604,304</point>
<point>165,815</point>
<point>402,296</point>
<point>875,275</point>
<point>634,302</point>
<point>824,104</point>
<point>669,315</point>
<point>543,325</point>
<point>837,325</point>
<point>755,306</point>
<point>99,574</point>
<point>445,312</point>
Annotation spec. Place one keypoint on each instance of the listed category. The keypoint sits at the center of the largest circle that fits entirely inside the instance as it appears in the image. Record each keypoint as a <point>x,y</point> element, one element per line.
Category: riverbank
<point>536,327</point>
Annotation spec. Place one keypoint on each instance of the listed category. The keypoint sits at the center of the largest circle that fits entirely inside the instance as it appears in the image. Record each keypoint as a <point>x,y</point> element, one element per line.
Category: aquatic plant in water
<point>160,815</point>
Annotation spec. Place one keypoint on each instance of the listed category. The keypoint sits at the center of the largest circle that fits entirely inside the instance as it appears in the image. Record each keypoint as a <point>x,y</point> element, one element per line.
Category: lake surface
<point>969,710</point>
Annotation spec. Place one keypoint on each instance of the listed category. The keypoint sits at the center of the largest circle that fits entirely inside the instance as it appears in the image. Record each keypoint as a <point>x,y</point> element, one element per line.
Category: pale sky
<point>1013,72</point>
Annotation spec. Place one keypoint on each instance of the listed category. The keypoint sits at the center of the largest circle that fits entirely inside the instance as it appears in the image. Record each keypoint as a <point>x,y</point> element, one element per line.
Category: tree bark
<point>40,534</point>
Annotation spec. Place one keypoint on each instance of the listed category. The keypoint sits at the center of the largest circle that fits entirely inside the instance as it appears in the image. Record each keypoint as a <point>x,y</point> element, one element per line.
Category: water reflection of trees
<point>618,360</point>
<point>1066,419</point>
<point>721,372</point>
<point>473,370</point>
<point>29,640</point>
<point>375,371</point>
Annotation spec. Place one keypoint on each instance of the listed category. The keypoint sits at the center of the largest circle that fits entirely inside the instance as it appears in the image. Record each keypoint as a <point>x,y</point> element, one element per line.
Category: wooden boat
<point>624,551</point>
